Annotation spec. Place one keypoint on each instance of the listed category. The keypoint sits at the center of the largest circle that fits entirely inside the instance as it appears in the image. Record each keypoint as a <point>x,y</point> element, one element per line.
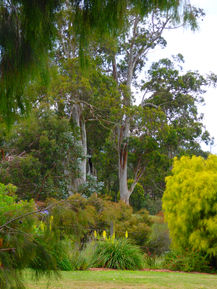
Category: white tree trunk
<point>123,135</point>
<point>124,130</point>
<point>124,192</point>
<point>77,117</point>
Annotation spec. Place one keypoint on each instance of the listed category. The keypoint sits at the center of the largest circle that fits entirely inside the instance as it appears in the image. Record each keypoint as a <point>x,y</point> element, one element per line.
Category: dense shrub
<point>75,218</point>
<point>187,261</point>
<point>153,205</point>
<point>41,156</point>
<point>11,208</point>
<point>159,241</point>
<point>118,254</point>
<point>23,244</point>
<point>141,200</point>
<point>80,217</point>
<point>137,198</point>
<point>149,259</point>
<point>79,261</point>
<point>190,204</point>
<point>62,250</point>
<point>123,219</point>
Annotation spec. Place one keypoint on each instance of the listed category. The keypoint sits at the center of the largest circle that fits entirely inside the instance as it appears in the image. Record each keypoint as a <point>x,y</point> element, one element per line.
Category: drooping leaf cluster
<point>28,29</point>
<point>26,34</point>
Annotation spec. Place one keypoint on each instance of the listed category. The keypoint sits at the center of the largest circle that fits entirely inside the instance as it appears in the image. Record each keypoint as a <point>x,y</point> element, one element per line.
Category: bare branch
<point>30,213</point>
<point>150,104</point>
<point>8,249</point>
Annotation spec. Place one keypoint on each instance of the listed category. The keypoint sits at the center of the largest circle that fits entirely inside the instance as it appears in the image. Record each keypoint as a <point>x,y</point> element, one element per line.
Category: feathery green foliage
<point>26,34</point>
<point>28,31</point>
<point>78,217</point>
<point>21,244</point>
<point>190,204</point>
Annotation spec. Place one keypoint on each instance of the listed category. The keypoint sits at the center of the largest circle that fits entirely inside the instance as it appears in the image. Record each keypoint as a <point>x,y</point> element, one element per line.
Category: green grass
<point>126,280</point>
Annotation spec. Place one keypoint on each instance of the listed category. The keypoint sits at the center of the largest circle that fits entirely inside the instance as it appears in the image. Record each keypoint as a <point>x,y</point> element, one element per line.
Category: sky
<point>199,49</point>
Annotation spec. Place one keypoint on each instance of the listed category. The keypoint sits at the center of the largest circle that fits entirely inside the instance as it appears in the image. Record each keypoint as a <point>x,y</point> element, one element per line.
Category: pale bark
<point>123,134</point>
<point>123,137</point>
<point>77,110</point>
<point>124,131</point>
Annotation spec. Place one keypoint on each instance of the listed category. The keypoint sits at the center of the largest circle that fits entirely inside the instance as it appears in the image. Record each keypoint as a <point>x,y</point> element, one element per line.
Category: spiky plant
<point>118,254</point>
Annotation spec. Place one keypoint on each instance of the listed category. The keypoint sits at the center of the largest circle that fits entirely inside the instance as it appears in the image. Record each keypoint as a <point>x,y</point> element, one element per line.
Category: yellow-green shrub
<point>190,204</point>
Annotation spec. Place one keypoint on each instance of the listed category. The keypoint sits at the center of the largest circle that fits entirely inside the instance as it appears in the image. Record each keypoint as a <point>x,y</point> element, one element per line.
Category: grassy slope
<point>127,280</point>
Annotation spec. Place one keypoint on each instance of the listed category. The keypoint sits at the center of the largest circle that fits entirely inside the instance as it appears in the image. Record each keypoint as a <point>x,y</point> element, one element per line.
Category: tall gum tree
<point>133,45</point>
<point>180,131</point>
<point>84,99</point>
<point>82,95</point>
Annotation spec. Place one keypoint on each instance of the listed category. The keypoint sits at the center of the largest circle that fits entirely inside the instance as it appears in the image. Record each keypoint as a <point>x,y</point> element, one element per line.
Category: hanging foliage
<point>28,32</point>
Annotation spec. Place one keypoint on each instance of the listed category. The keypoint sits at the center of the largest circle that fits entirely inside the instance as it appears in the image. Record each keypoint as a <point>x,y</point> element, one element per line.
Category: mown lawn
<point>126,280</point>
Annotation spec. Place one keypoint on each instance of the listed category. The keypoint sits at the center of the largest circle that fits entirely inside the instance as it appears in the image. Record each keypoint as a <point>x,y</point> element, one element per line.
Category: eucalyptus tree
<point>167,123</point>
<point>123,58</point>
<point>88,101</point>
<point>126,60</point>
<point>177,96</point>
<point>28,31</point>
<point>83,95</point>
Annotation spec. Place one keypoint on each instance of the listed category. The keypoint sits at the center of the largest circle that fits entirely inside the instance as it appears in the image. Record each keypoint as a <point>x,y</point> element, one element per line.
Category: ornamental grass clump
<point>83,259</point>
<point>118,254</point>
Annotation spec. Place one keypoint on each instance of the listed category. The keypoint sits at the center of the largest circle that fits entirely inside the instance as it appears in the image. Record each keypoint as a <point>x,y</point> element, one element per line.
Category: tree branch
<point>30,213</point>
